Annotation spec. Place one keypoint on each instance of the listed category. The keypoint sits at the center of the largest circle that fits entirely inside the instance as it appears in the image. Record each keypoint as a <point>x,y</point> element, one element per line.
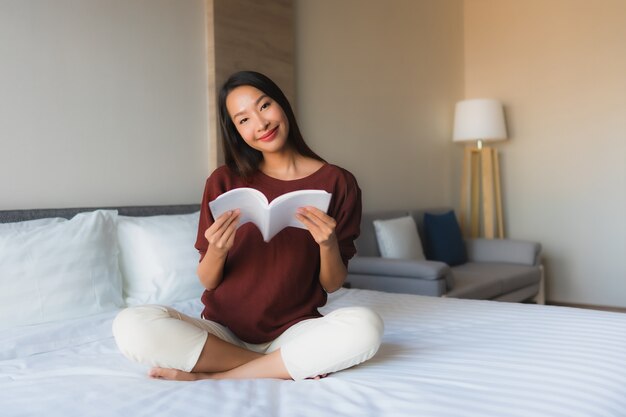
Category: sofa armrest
<point>503,250</point>
<point>372,265</point>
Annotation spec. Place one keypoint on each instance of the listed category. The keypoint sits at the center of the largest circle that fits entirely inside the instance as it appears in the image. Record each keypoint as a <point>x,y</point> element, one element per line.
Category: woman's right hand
<point>221,234</point>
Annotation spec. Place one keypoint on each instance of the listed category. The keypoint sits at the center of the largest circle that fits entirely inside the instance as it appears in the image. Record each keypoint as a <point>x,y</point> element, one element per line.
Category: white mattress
<point>440,357</point>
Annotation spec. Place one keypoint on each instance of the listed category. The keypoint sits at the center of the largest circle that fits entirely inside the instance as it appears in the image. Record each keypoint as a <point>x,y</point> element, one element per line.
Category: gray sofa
<point>498,269</point>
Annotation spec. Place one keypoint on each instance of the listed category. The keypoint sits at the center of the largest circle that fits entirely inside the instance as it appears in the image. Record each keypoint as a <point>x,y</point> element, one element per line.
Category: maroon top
<point>269,286</point>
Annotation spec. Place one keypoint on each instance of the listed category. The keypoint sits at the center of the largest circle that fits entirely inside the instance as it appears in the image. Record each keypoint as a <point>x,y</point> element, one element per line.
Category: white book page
<point>269,218</point>
<point>283,209</point>
<point>251,203</point>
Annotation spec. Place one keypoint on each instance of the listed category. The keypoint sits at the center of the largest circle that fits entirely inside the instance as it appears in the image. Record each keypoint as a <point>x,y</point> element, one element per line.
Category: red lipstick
<point>269,135</point>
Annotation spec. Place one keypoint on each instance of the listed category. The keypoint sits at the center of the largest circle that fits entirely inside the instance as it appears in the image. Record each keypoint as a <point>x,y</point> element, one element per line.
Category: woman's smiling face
<point>259,119</point>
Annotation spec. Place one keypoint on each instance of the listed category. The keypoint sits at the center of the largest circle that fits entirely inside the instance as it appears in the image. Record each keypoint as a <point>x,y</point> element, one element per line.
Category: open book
<point>272,217</point>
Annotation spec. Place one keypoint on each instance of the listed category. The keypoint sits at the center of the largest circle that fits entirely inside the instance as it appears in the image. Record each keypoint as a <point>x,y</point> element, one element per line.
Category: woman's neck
<point>288,165</point>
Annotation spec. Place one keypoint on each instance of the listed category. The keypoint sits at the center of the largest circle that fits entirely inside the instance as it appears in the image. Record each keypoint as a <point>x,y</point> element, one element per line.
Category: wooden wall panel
<point>249,35</point>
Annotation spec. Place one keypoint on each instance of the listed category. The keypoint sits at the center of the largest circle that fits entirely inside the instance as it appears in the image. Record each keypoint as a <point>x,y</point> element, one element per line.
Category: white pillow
<point>158,258</point>
<point>59,270</point>
<point>398,238</point>
<point>29,224</point>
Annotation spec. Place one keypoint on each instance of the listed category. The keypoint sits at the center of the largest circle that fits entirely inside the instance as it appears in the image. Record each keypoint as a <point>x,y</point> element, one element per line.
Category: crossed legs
<point>223,360</point>
<point>180,347</point>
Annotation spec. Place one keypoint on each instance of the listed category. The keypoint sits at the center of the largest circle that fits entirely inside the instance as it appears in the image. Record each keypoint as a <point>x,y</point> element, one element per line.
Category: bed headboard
<point>8,216</point>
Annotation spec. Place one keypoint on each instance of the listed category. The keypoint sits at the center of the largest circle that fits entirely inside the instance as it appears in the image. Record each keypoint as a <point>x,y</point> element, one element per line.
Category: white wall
<point>377,82</point>
<point>560,68</point>
<point>102,102</point>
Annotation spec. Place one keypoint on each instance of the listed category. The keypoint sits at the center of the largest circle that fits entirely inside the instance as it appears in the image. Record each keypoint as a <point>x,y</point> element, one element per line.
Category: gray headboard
<point>8,216</point>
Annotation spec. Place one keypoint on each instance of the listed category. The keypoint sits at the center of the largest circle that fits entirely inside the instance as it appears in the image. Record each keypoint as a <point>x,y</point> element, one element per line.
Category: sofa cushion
<point>418,216</point>
<point>487,280</point>
<point>503,250</point>
<point>398,239</point>
<point>443,240</point>
<point>520,295</point>
<point>477,287</point>
<point>366,244</point>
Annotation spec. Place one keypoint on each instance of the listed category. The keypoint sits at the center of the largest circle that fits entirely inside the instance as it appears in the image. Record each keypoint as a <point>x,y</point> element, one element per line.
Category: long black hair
<point>238,155</point>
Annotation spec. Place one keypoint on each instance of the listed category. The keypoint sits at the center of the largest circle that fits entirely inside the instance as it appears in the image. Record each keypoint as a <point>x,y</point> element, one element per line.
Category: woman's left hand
<point>320,225</point>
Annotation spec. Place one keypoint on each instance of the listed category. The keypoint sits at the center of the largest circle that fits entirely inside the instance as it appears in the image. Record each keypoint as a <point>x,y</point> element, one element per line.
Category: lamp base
<point>480,193</point>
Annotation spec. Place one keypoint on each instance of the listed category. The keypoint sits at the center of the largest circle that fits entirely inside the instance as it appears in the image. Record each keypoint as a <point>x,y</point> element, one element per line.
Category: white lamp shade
<point>479,119</point>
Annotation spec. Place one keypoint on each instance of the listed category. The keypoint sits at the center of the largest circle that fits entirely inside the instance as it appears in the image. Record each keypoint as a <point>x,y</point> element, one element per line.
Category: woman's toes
<point>171,374</point>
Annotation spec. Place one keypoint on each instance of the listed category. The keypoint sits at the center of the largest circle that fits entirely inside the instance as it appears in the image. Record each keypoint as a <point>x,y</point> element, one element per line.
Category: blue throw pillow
<point>443,239</point>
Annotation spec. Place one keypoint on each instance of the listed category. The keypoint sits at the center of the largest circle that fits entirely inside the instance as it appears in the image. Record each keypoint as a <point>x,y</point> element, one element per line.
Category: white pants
<point>161,336</point>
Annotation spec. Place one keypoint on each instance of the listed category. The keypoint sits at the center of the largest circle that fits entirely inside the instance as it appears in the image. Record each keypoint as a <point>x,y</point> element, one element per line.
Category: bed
<point>439,357</point>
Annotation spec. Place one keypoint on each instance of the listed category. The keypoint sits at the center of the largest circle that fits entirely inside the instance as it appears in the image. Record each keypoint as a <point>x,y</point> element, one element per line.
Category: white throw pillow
<point>158,258</point>
<point>398,238</point>
<point>59,270</point>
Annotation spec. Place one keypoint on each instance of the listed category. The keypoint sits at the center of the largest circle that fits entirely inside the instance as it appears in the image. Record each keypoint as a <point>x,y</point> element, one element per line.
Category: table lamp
<point>478,121</point>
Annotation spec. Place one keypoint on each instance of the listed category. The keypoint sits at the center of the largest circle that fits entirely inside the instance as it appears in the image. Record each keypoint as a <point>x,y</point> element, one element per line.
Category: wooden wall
<point>248,35</point>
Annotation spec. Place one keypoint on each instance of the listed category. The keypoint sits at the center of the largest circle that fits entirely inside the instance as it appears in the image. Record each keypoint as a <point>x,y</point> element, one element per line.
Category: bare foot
<point>176,374</point>
<point>318,377</point>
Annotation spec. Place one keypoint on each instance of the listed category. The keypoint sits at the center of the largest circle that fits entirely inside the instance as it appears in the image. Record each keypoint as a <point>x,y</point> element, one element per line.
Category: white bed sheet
<point>440,357</point>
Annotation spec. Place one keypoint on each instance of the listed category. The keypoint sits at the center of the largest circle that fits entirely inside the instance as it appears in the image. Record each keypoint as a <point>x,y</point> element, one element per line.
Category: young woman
<point>261,317</point>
